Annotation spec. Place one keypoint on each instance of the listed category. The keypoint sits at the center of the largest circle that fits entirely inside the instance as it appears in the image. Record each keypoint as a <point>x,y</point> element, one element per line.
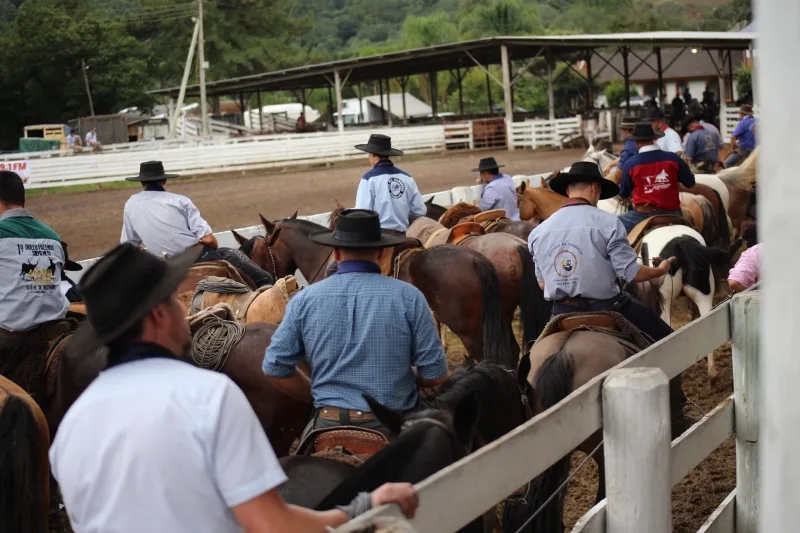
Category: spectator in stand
<point>74,141</point>
<point>91,141</point>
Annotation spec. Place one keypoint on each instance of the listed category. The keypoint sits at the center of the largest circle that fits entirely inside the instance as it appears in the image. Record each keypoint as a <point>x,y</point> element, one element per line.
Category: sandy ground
<point>90,222</point>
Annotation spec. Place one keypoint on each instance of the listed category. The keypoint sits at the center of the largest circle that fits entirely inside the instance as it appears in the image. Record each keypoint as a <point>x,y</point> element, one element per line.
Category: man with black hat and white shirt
<point>581,250</point>
<point>498,191</point>
<point>670,141</point>
<point>156,444</point>
<point>165,224</point>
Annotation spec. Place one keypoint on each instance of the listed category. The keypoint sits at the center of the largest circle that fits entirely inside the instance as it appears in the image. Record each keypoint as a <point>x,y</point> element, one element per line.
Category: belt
<point>334,413</point>
<point>578,300</point>
<point>645,208</point>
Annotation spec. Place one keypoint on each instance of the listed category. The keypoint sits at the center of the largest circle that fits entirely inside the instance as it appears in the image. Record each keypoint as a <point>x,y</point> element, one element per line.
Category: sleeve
<point>738,130</point>
<point>197,225</point>
<point>428,355</point>
<point>531,239</point>
<point>626,182</point>
<point>364,198</point>
<point>286,348</point>
<point>623,257</point>
<point>685,175</point>
<point>128,233</point>
<point>691,147</point>
<point>488,199</point>
<point>417,205</point>
<point>243,463</point>
<point>745,271</point>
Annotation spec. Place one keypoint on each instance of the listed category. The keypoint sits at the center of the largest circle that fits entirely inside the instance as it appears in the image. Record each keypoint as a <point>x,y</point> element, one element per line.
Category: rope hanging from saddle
<point>221,285</point>
<point>213,341</point>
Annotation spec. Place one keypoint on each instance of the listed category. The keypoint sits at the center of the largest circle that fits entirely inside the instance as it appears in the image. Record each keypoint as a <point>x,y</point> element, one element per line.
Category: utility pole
<point>201,58</point>
<point>86,82</point>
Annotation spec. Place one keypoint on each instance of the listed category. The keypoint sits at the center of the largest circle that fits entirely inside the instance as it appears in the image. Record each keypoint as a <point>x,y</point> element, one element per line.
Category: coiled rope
<point>221,285</point>
<point>213,341</point>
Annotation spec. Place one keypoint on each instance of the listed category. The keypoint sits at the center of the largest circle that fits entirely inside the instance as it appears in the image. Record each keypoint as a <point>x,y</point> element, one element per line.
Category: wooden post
<point>509,103</point>
<point>380,96</point>
<point>434,88</point>
<point>260,112</point>
<point>551,103</point>
<point>745,315</point>
<point>636,435</point>
<point>660,77</point>
<point>403,82</point>
<point>389,101</point>
<point>627,76</point>
<point>589,82</point>
<point>337,79</point>
<point>460,80</point>
<point>489,92</point>
<point>722,96</point>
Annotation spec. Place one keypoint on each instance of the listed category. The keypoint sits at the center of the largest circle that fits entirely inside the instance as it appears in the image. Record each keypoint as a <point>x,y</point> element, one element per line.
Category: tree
<point>501,17</point>
<point>615,93</point>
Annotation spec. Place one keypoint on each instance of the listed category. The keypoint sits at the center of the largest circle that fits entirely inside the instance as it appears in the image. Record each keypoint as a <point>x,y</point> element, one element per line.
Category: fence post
<point>745,309</point>
<point>471,136</point>
<point>636,435</point>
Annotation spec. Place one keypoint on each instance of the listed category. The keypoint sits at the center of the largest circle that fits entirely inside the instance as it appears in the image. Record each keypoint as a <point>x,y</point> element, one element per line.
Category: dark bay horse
<point>460,285</point>
<point>283,412</point>
<point>24,465</point>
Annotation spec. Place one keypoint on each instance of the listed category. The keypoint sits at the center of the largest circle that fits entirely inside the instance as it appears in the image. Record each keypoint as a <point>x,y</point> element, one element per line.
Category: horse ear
<point>543,183</point>
<point>429,201</point>
<point>294,216</point>
<point>269,226</point>
<point>391,419</point>
<point>273,236</point>
<point>522,187</point>
<point>338,204</point>
<point>241,239</point>
<point>465,418</point>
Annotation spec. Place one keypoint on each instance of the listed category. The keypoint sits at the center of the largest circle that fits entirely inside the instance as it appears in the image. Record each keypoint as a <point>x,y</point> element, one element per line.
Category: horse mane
<point>334,215</point>
<point>306,225</point>
<point>453,215</point>
<point>743,176</point>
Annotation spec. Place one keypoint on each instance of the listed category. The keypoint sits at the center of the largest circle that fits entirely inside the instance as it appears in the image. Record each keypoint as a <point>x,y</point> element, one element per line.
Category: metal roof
<point>457,55</point>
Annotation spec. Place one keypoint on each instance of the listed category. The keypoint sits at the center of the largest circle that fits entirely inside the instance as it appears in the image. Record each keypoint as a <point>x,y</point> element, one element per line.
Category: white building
<point>371,108</point>
<point>290,111</point>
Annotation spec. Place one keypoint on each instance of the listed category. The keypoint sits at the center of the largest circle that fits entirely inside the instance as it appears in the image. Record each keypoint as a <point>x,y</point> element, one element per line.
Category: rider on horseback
<point>670,141</point>
<point>165,224</point>
<point>498,191</point>
<point>581,250</point>
<point>361,332</point>
<point>629,149</point>
<point>652,177</point>
<point>702,145</point>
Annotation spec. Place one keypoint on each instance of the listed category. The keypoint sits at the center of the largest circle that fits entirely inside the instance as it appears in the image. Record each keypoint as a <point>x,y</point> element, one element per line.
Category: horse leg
<point>704,303</point>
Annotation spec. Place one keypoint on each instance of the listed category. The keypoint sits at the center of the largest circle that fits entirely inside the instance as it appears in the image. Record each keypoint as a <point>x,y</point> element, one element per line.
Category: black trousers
<point>239,260</point>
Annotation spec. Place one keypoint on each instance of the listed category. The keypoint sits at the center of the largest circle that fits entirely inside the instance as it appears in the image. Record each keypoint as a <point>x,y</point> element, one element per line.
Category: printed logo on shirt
<point>658,182</point>
<point>396,188</point>
<point>565,263</point>
<point>38,273</point>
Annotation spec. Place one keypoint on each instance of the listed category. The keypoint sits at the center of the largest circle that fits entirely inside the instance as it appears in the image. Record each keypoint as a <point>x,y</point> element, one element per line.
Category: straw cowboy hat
<point>627,123</point>
<point>746,109</point>
<point>122,288</point>
<point>379,145</point>
<point>357,228</point>
<point>152,171</point>
<point>584,172</point>
<point>643,131</point>
<point>487,163</point>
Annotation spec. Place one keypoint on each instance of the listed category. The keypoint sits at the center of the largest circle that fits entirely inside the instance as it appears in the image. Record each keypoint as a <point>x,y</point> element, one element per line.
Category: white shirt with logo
<point>391,192</point>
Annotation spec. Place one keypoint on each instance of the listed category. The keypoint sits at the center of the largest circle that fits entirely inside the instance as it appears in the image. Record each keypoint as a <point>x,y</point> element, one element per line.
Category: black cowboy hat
<point>627,123</point>
<point>487,163</point>
<point>152,171</point>
<point>357,228</point>
<point>643,131</point>
<point>691,117</point>
<point>122,288</point>
<point>70,265</point>
<point>379,145</point>
<point>654,113</point>
<point>584,172</point>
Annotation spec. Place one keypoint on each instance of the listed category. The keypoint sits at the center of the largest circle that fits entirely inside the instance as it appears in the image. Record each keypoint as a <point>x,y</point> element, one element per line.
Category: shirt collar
<point>576,201</point>
<point>384,163</point>
<point>19,212</point>
<point>649,148</point>
<point>358,266</point>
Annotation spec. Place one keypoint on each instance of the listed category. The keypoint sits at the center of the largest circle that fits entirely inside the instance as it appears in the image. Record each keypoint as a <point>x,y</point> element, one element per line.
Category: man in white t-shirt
<point>91,140</point>
<point>157,445</point>
<point>671,141</point>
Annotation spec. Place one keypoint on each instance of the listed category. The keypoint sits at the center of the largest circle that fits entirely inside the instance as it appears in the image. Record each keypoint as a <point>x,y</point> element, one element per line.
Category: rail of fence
<point>543,133</point>
<point>641,464</point>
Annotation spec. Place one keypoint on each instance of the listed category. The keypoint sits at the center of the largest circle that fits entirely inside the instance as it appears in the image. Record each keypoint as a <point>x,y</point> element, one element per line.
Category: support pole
<point>722,96</point>
<point>636,437</point>
<point>339,108</point>
<point>432,78</point>
<point>403,83</point>
<point>589,83</point>
<point>731,92</point>
<point>509,103</point>
<point>330,105</point>
<point>660,72</point>
<point>745,311</point>
<point>260,112</point>
<point>626,75</point>
<point>389,101</point>
<point>460,81</point>
<point>201,58</point>
<point>184,81</point>
<point>380,95</point>
<point>170,114</point>
<point>753,67</point>
<point>242,105</point>
<point>86,83</point>
<point>489,93</point>
<point>357,87</point>
<point>551,102</point>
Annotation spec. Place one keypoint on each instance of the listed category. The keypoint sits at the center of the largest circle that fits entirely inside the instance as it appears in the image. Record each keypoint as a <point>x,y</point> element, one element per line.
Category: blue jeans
<point>737,157</point>
<point>631,218</point>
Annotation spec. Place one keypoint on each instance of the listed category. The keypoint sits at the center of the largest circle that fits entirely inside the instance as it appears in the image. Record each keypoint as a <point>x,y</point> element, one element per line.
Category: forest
<point>130,47</point>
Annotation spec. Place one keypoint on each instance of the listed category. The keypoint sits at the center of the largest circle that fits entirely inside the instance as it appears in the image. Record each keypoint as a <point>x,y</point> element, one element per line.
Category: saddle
<point>646,226</point>
<point>200,271</point>
<point>457,235</point>
<point>347,444</point>
<point>608,322</point>
<point>213,290</point>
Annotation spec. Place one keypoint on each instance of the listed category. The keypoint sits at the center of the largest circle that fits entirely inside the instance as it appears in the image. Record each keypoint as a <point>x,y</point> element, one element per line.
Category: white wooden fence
<point>543,133</point>
<point>641,463</point>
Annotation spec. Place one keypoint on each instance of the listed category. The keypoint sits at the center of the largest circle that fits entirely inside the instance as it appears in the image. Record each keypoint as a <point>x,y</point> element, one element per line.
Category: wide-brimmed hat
<point>643,131</point>
<point>152,171</point>
<point>122,288</point>
<point>584,172</point>
<point>487,163</point>
<point>627,123</point>
<point>691,117</point>
<point>746,109</point>
<point>357,228</point>
<point>379,145</point>
<point>654,113</point>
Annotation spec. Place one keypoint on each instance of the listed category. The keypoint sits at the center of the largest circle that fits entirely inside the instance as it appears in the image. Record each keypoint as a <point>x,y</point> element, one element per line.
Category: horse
<point>434,211</point>
<point>735,186</point>
<point>601,157</point>
<point>461,286</point>
<point>464,212</point>
<point>538,203</point>
<point>282,411</point>
<point>24,464</point>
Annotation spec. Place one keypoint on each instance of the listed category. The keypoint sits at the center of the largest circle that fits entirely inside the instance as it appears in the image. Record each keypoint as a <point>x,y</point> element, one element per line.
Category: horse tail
<point>696,260</point>
<point>535,311</point>
<point>498,337</point>
<point>724,231</point>
<point>553,384</point>
<point>22,506</point>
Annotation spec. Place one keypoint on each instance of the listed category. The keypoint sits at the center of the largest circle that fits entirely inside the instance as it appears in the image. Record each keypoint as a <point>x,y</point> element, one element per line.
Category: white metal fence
<point>543,133</point>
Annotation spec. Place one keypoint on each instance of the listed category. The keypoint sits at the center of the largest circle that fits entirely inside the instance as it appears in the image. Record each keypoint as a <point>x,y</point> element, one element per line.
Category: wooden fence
<point>537,134</point>
<point>629,404</point>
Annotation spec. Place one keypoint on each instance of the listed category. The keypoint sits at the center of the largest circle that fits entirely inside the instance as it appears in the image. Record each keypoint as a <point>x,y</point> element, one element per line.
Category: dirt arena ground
<point>699,493</point>
<point>90,222</point>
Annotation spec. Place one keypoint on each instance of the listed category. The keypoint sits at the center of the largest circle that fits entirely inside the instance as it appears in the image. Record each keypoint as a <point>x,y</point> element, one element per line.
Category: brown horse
<point>283,413</point>
<point>460,285</point>
<point>24,465</point>
<point>464,212</point>
<point>538,203</point>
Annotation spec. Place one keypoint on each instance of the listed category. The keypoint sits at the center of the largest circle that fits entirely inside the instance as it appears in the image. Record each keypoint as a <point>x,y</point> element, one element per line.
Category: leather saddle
<point>609,322</point>
<point>588,320</point>
<point>278,296</point>
<point>463,231</point>
<point>644,227</point>
<point>343,441</point>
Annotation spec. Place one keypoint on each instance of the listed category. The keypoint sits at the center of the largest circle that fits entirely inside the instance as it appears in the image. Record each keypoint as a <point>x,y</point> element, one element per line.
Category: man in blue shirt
<point>499,191</point>
<point>629,149</point>
<point>743,137</point>
<point>702,146</point>
<point>360,332</point>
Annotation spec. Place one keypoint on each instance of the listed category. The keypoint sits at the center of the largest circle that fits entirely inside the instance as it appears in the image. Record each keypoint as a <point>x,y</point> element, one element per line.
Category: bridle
<point>271,258</point>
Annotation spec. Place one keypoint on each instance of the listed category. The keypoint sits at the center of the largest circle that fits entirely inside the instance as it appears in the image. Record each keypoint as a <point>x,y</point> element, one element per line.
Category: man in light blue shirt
<point>360,332</point>
<point>386,189</point>
<point>498,191</point>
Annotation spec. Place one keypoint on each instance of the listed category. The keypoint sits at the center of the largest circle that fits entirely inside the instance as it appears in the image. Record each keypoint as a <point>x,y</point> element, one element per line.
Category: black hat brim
<point>72,266</point>
<point>559,184</point>
<point>481,169</point>
<point>145,179</point>
<point>87,339</point>
<point>372,149</point>
<point>328,238</point>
